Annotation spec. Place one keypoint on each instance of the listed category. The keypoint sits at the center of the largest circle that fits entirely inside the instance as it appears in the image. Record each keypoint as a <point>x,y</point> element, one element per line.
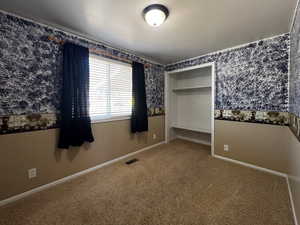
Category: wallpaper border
<point>295,125</point>
<point>11,124</point>
<point>262,117</point>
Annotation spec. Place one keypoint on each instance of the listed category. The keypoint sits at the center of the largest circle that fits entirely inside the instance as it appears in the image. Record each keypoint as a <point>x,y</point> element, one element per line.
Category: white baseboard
<point>62,180</point>
<point>251,166</point>
<point>268,171</point>
<point>292,200</point>
<point>194,140</point>
<point>65,179</point>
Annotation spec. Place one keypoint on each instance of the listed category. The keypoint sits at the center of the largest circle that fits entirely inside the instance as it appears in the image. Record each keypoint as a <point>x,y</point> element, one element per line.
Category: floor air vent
<point>131,161</point>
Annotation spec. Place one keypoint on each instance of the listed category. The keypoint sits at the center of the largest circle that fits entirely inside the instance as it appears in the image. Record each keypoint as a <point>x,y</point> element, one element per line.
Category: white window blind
<point>110,88</point>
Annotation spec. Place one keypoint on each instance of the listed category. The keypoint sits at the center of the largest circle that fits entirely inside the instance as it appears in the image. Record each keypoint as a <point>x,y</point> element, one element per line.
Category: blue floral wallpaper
<point>295,67</point>
<point>249,79</point>
<point>294,88</point>
<point>252,78</point>
<point>154,79</point>
<point>31,65</point>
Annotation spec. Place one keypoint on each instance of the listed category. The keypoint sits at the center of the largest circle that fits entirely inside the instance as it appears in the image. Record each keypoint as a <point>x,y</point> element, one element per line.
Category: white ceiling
<point>194,27</point>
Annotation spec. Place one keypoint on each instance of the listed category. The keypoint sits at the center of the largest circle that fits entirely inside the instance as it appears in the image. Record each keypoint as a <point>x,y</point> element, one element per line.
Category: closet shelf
<point>191,88</point>
<point>196,129</point>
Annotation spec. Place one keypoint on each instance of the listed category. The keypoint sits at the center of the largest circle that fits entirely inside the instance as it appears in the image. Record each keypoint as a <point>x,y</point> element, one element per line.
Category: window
<point>110,88</point>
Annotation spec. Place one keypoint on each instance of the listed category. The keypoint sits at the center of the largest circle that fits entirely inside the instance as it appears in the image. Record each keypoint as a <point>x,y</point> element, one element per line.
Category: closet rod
<point>96,51</point>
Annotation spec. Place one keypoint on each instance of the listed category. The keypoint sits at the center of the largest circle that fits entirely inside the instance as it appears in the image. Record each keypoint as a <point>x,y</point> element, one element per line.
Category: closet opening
<point>189,95</point>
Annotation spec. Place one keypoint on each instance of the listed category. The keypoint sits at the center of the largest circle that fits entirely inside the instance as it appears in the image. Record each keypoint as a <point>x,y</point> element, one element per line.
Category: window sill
<point>111,119</point>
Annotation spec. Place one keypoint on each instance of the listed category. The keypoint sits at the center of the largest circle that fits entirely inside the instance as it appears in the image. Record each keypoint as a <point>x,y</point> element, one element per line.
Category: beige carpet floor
<point>174,184</point>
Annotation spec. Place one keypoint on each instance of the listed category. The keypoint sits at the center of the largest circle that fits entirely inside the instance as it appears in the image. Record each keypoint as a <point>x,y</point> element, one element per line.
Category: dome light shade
<point>156,14</point>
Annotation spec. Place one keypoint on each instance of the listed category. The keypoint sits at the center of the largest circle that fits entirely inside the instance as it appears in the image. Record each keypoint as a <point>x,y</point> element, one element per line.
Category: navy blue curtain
<point>139,118</point>
<point>75,124</point>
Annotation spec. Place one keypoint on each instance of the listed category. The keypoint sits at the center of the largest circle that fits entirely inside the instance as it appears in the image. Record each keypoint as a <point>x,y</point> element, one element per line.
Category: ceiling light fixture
<point>155,14</point>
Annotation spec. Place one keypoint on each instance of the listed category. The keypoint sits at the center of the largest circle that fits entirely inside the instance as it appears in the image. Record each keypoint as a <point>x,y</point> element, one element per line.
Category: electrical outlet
<point>226,148</point>
<point>154,136</point>
<point>32,173</point>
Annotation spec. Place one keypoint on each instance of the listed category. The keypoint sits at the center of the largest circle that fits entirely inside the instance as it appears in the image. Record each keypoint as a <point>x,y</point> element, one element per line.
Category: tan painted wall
<point>268,146</point>
<point>294,169</point>
<point>20,152</point>
<point>259,144</point>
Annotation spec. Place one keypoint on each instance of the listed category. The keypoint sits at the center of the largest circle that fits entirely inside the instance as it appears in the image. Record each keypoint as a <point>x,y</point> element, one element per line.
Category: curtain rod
<point>96,51</point>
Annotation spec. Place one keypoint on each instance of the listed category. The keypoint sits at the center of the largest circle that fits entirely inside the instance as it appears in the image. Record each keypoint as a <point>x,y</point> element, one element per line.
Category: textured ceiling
<point>194,27</point>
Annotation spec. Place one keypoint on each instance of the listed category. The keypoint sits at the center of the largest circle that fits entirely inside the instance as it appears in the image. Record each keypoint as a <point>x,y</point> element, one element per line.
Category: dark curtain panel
<point>75,125</point>
<point>139,118</point>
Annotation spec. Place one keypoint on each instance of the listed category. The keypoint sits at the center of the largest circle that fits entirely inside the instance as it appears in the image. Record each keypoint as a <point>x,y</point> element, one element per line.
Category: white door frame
<point>213,78</point>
